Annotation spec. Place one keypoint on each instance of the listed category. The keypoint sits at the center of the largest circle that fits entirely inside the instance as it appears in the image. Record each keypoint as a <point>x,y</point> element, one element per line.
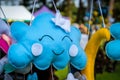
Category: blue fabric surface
<point>32,76</point>
<point>55,43</point>
<point>113,47</point>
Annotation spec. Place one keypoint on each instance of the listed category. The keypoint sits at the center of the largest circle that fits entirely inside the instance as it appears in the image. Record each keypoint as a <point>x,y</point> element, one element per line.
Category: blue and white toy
<point>46,43</point>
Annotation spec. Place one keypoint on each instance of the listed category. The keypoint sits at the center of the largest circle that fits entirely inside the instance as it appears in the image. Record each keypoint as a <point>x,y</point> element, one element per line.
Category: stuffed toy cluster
<point>44,43</point>
<point>5,42</point>
<point>113,47</point>
<point>4,36</point>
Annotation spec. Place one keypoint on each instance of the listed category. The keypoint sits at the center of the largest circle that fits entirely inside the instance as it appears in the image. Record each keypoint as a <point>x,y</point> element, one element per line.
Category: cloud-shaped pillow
<point>44,44</point>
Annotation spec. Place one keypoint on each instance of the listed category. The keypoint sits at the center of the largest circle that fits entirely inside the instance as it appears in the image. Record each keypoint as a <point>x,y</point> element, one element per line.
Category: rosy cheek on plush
<point>73,51</point>
<point>36,49</point>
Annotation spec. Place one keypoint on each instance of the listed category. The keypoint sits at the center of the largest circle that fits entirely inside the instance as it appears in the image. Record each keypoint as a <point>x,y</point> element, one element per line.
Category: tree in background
<point>116,10</point>
<point>68,9</point>
<point>80,12</point>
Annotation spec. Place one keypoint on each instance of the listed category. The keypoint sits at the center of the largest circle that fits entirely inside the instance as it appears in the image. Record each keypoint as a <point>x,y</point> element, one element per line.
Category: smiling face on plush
<point>44,44</point>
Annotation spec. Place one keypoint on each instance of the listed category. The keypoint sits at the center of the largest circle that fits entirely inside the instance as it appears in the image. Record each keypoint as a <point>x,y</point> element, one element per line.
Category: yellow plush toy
<point>91,51</point>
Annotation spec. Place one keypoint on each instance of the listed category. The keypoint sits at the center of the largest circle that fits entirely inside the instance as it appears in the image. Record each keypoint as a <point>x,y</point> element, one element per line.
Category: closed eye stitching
<point>67,37</point>
<point>46,36</point>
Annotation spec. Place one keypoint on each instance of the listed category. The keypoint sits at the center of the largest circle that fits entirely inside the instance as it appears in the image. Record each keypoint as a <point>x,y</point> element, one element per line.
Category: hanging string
<point>54,6</point>
<point>52,73</point>
<point>69,68</point>
<point>101,13</point>
<point>91,11</point>
<point>30,25</point>
<point>4,15</point>
<point>31,67</point>
<point>33,11</point>
<point>24,76</point>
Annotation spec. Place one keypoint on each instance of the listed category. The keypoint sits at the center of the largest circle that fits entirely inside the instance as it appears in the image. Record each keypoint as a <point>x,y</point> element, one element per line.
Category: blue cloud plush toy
<point>44,44</point>
<point>113,47</point>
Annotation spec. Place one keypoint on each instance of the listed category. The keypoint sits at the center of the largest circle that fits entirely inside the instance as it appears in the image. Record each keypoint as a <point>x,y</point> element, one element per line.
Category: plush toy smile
<point>59,53</point>
<point>44,44</point>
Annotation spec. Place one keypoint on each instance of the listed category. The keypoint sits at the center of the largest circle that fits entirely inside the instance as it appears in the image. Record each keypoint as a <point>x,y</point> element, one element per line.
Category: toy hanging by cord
<point>44,44</point>
<point>62,23</point>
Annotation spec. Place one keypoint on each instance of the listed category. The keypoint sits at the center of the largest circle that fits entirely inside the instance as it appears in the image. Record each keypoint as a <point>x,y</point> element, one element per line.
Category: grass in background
<point>110,76</point>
